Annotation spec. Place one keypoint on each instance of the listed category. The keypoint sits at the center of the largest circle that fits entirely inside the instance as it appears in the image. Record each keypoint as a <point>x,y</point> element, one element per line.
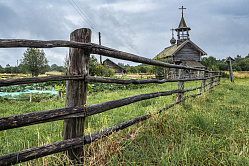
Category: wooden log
<point>30,97</point>
<point>26,119</point>
<point>33,153</point>
<point>76,90</point>
<point>230,70</point>
<point>219,75</point>
<point>11,43</point>
<point>91,47</point>
<point>60,94</point>
<point>209,83</point>
<point>19,81</point>
<point>180,84</point>
<point>132,81</point>
<point>203,83</point>
<point>211,78</point>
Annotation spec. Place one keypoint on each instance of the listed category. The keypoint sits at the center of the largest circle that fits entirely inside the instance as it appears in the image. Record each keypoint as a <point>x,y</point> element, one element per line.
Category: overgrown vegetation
<point>240,64</point>
<point>211,129</point>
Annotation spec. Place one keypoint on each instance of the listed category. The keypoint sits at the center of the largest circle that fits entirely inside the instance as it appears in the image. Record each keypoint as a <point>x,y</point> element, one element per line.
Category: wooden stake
<point>203,83</point>
<point>180,85</point>
<point>30,97</point>
<point>100,44</point>
<point>230,70</point>
<point>76,90</point>
<point>211,78</point>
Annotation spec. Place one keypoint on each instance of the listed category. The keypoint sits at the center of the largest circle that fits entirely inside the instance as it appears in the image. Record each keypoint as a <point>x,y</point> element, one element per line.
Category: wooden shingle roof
<point>193,64</point>
<point>228,59</point>
<point>183,25</point>
<point>172,50</point>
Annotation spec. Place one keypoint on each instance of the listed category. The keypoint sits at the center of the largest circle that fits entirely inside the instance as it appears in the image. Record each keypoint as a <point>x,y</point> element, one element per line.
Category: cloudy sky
<point>141,27</point>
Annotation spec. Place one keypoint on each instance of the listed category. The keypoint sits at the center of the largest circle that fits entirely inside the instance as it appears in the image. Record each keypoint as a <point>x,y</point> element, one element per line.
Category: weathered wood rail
<point>75,110</point>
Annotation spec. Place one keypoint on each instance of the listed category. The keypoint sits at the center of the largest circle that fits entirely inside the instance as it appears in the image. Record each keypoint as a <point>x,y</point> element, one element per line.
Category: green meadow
<point>211,129</point>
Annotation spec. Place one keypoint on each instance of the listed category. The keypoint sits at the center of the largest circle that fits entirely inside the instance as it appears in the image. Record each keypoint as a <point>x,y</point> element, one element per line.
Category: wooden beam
<point>89,47</point>
<point>19,81</point>
<point>32,153</point>
<point>31,118</point>
<point>180,85</point>
<point>76,90</point>
<point>133,81</point>
<point>203,83</point>
<point>230,70</point>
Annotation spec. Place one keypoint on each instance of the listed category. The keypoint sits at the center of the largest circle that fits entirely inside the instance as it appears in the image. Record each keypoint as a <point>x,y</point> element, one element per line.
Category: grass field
<point>210,129</point>
<point>239,74</point>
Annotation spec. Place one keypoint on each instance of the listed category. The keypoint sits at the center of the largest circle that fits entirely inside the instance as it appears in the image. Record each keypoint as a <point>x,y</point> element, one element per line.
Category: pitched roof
<point>228,59</point>
<point>172,50</point>
<point>183,25</point>
<point>192,64</point>
<point>114,64</point>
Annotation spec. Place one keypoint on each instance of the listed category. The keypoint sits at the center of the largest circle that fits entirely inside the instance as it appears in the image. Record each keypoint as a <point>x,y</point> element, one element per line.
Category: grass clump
<point>206,130</point>
<point>211,129</point>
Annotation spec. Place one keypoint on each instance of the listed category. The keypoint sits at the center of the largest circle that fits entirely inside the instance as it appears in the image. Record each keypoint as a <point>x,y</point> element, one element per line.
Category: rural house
<point>182,51</point>
<point>111,65</point>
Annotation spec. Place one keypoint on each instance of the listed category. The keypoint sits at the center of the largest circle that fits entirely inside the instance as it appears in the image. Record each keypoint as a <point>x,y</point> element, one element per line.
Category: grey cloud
<point>142,27</point>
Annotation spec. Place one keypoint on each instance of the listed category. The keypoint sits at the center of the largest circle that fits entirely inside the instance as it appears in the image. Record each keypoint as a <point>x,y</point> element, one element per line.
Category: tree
<point>34,61</point>
<point>95,68</point>
<point>132,69</point>
<point>8,68</point>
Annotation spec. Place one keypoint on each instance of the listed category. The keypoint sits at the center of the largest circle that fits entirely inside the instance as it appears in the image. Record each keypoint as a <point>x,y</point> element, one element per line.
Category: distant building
<point>110,64</point>
<point>182,51</point>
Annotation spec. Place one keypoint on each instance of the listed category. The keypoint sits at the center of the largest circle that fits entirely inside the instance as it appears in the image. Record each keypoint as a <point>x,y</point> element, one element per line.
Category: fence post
<point>30,97</point>
<point>180,85</point>
<point>211,79</point>
<point>218,79</point>
<point>76,90</point>
<point>203,82</point>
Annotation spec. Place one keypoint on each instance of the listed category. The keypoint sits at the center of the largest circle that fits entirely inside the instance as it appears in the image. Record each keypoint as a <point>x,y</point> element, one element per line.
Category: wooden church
<point>182,51</point>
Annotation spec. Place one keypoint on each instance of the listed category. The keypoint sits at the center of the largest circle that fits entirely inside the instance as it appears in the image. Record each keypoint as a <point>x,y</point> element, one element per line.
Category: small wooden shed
<point>110,64</point>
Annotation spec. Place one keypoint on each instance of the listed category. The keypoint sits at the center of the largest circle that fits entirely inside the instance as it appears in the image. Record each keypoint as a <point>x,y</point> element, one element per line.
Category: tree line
<point>35,62</point>
<point>240,64</point>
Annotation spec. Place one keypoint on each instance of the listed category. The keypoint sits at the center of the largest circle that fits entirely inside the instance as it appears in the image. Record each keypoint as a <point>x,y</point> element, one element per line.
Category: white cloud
<point>142,27</point>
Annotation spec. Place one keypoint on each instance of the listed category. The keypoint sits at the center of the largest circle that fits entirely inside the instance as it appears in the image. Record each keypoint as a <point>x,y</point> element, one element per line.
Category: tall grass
<point>36,135</point>
<point>181,135</point>
<point>211,129</point>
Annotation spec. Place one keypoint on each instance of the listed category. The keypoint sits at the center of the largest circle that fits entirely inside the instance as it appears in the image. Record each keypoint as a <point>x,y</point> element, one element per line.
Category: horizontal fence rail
<point>32,118</point>
<point>32,153</point>
<point>92,48</point>
<point>20,81</point>
<point>83,110</point>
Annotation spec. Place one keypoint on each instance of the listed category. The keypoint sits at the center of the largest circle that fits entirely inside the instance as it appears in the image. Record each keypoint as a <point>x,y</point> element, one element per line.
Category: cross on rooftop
<point>182,10</point>
<point>172,32</point>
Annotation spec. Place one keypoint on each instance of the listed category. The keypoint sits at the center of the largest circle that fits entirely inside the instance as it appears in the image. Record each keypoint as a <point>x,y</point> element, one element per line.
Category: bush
<point>224,75</point>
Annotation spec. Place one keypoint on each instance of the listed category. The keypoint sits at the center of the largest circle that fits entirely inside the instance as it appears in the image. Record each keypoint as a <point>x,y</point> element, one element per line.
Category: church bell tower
<point>182,30</point>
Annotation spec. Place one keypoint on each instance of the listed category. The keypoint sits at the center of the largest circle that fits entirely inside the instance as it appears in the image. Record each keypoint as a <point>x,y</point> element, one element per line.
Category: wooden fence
<point>76,110</point>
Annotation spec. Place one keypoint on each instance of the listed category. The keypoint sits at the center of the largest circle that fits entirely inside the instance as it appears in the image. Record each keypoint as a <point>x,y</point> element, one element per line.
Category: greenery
<point>211,129</point>
<point>240,64</point>
<point>34,62</point>
<point>97,69</point>
<point>143,68</point>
